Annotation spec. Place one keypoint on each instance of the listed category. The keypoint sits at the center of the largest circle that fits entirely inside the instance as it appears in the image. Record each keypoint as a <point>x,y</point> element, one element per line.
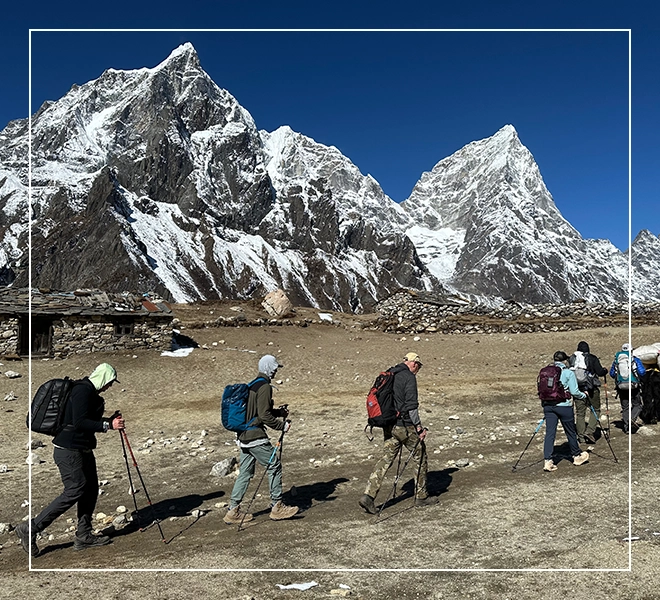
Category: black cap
<point>560,356</point>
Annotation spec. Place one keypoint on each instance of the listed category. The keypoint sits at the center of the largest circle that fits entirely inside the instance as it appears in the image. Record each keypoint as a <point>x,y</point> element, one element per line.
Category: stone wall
<point>405,312</point>
<point>74,335</point>
<point>8,336</point>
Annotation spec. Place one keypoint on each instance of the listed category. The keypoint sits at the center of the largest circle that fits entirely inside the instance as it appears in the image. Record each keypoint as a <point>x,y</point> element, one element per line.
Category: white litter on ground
<point>180,353</point>
<point>298,586</point>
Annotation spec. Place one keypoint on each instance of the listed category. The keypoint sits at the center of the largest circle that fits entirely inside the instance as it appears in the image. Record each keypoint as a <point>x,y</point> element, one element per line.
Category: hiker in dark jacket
<point>256,447</point>
<point>73,454</point>
<point>593,370</point>
<point>407,431</point>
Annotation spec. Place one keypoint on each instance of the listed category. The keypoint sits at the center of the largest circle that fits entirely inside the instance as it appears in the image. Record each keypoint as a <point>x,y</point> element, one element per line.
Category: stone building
<point>64,323</point>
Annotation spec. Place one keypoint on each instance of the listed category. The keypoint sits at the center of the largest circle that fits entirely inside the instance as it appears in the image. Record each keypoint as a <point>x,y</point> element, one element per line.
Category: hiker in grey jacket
<point>255,446</point>
<point>407,431</point>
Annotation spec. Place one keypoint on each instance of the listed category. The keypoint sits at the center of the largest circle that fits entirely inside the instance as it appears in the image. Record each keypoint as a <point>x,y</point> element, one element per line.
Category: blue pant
<point>553,414</point>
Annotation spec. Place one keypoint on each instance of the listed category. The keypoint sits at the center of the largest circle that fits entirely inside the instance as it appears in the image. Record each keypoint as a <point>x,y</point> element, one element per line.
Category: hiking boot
<point>580,459</point>
<point>367,502</point>
<point>236,515</point>
<point>29,545</point>
<point>89,540</point>
<point>281,511</point>
<point>428,501</point>
<point>549,465</point>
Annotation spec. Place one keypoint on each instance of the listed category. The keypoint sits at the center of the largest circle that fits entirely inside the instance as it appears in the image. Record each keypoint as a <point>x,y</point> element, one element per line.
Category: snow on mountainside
<point>155,179</point>
<point>645,251</point>
<point>486,225</point>
<point>158,180</point>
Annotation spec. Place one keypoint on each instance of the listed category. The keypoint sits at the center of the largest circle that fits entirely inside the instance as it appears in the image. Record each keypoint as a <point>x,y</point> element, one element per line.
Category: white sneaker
<point>580,459</point>
<point>549,466</point>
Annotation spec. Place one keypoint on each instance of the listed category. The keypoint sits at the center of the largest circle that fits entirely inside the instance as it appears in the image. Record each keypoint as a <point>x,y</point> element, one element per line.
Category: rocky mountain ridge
<point>158,180</point>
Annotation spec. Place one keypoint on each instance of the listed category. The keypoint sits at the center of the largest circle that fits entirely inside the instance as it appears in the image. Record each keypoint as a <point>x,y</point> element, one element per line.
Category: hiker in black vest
<point>407,431</point>
<point>256,447</point>
<point>74,457</point>
<point>588,372</point>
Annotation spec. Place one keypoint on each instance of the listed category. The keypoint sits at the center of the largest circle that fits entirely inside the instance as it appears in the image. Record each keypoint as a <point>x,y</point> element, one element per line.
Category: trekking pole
<point>144,487</point>
<point>130,482</point>
<point>398,465</point>
<point>605,434</point>
<point>528,443</point>
<point>396,479</point>
<point>607,405</point>
<point>270,460</point>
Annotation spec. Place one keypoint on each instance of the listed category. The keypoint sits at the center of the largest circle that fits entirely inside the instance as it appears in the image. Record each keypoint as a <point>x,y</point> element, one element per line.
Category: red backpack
<point>550,388</point>
<point>381,411</point>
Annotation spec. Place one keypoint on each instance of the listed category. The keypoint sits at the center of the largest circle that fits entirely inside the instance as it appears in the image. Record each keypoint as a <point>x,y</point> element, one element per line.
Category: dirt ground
<point>488,536</point>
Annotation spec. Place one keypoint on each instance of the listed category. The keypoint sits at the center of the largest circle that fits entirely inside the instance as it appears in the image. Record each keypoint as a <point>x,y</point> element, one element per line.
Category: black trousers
<point>81,487</point>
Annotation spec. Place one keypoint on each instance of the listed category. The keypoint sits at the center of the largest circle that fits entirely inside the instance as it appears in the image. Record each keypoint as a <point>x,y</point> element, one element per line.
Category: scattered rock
<point>224,467</point>
<point>33,459</point>
<point>121,509</point>
<point>119,521</point>
<point>12,374</point>
<point>462,462</point>
<point>4,528</point>
<point>645,431</point>
<point>11,397</point>
<point>277,304</point>
<point>453,418</point>
<point>4,468</point>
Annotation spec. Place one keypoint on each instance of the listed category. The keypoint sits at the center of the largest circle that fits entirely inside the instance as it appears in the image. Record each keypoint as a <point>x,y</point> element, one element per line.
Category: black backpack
<point>48,406</point>
<point>381,411</point>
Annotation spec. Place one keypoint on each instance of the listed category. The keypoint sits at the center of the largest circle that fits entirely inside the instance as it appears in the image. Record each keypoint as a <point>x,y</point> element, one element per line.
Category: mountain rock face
<point>644,255</point>
<point>485,224</point>
<point>158,180</point>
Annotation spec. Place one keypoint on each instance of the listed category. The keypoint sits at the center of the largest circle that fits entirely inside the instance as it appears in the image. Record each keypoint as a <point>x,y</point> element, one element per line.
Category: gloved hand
<point>421,433</point>
<point>287,426</point>
<point>284,411</point>
<point>116,421</point>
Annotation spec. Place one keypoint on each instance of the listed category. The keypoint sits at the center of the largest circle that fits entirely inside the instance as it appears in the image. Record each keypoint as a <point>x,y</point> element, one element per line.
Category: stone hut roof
<point>81,302</point>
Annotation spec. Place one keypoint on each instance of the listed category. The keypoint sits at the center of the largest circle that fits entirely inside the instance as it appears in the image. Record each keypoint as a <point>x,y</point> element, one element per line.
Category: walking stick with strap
<point>528,443</point>
<point>607,405</point>
<point>605,433</point>
<point>396,479</point>
<point>144,487</point>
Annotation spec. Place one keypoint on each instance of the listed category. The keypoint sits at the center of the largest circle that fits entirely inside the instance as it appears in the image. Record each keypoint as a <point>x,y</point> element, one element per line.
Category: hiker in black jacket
<point>407,431</point>
<point>589,383</point>
<point>74,457</point>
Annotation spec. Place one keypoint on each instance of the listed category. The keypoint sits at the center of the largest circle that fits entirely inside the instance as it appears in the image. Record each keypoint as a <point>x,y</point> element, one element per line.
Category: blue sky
<point>396,103</point>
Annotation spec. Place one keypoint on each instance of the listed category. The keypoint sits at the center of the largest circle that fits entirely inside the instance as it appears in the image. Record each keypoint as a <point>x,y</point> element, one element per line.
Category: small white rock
<point>121,509</point>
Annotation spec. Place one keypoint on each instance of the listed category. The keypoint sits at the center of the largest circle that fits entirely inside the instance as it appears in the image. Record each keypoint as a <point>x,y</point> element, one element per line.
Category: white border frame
<point>341,30</point>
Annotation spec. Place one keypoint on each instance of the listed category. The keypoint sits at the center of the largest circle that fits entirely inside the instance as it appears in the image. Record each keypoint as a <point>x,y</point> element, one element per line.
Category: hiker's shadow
<point>165,509</point>
<point>437,483</point>
<point>321,491</point>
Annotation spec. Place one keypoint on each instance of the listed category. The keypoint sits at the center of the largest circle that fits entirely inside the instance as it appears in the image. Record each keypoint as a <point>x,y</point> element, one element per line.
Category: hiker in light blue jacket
<point>562,411</point>
<point>626,371</point>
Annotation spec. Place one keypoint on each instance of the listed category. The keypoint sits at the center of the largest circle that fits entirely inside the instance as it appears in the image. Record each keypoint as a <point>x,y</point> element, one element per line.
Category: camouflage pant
<point>395,441</point>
